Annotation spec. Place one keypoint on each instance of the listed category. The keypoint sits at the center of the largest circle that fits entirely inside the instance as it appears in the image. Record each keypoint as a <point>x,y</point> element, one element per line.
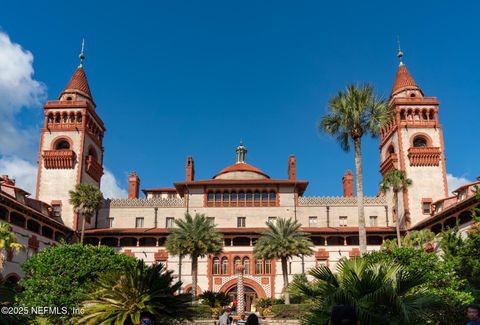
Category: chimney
<point>292,168</point>
<point>133,185</point>
<point>189,170</point>
<point>347,181</point>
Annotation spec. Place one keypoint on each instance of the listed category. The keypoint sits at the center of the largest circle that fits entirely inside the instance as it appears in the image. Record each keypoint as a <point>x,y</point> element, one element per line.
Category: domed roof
<point>241,167</point>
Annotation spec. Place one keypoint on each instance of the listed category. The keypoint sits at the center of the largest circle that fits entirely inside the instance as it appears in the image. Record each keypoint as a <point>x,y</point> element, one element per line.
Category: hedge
<point>293,311</point>
<point>202,312</point>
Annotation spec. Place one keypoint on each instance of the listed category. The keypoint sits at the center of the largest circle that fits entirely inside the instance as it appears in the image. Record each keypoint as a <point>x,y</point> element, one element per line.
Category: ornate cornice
<point>339,201</point>
<point>144,203</point>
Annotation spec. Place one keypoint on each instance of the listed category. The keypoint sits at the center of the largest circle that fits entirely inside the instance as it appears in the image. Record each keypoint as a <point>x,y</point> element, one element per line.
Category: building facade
<point>239,199</point>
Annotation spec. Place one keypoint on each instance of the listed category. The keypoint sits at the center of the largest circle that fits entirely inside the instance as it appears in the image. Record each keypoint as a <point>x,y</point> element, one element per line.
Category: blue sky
<point>180,78</point>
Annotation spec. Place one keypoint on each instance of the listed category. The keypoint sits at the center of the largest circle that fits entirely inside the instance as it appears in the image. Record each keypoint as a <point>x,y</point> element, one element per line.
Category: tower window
<point>62,145</point>
<point>241,222</point>
<point>343,221</point>
<point>373,221</point>
<point>312,221</point>
<point>419,142</point>
<point>210,197</point>
<point>169,222</point>
<point>139,222</point>
<point>56,210</point>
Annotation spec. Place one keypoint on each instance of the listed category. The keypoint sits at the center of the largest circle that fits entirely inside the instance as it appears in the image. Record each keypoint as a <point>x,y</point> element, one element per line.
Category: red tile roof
<point>403,81</point>
<point>79,83</point>
<point>241,167</point>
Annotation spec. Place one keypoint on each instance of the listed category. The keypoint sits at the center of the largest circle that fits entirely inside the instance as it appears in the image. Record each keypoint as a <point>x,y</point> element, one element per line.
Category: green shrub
<point>290,311</point>
<point>202,312</point>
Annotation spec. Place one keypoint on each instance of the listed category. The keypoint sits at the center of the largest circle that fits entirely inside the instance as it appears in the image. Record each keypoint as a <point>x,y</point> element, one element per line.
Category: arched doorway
<point>250,296</point>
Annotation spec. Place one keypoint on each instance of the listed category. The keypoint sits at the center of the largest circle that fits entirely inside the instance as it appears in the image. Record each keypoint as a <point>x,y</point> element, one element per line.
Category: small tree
<point>135,293</point>
<point>61,276</point>
<point>8,242</point>
<point>86,200</point>
<point>352,114</point>
<point>196,237</point>
<point>282,241</point>
<point>396,181</point>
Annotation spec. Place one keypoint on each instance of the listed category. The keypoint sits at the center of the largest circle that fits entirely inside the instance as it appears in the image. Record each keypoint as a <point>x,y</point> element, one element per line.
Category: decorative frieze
<point>339,200</point>
<point>58,159</point>
<point>144,203</point>
<point>424,156</point>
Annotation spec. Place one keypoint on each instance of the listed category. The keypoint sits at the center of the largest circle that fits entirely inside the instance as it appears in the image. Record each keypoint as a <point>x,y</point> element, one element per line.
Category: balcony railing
<point>389,164</point>
<point>94,169</point>
<point>424,156</point>
<point>58,159</point>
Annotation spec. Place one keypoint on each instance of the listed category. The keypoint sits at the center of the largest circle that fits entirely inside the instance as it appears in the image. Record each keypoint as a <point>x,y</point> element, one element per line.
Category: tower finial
<point>241,153</point>
<point>399,53</point>
<point>82,54</point>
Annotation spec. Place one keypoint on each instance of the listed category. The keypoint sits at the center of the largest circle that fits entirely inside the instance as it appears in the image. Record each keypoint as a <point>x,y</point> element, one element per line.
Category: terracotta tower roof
<point>403,80</point>
<point>78,83</point>
<point>241,167</point>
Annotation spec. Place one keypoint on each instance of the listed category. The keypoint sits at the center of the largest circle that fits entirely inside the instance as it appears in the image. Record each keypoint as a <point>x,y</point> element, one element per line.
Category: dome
<point>241,170</point>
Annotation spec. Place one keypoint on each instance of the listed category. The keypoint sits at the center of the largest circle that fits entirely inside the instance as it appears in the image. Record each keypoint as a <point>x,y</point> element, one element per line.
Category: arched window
<point>419,142</point>
<point>236,262</point>
<point>233,196</point>
<point>57,118</point>
<point>226,196</point>
<point>268,266</point>
<point>224,265</point>
<point>17,219</point>
<point>241,196</point>
<point>79,118</point>
<point>216,266</point>
<point>391,150</point>
<point>264,196</point>
<point>249,196</point>
<point>62,145</point>
<point>210,196</point>
<point>273,196</point>
<point>256,196</point>
<point>92,152</point>
<point>3,213</point>
<point>218,197</point>
<point>258,267</point>
<point>33,226</point>
<point>50,118</point>
<point>246,265</point>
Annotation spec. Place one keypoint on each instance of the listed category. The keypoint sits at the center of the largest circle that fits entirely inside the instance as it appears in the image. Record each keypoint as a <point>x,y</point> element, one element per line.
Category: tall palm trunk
<point>362,233</point>
<point>194,276</point>
<point>83,227</point>
<point>180,272</point>
<point>397,220</point>
<point>285,280</point>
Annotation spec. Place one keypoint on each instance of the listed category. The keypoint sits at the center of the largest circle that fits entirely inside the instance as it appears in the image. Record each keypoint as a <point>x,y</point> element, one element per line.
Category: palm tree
<point>397,181</point>
<point>351,115</point>
<point>8,242</point>
<point>138,292</point>
<point>282,241</point>
<point>196,237</point>
<point>86,200</point>
<point>381,293</point>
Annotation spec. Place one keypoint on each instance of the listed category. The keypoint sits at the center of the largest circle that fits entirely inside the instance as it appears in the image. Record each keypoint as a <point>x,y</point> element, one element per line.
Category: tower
<point>71,150</point>
<point>413,142</point>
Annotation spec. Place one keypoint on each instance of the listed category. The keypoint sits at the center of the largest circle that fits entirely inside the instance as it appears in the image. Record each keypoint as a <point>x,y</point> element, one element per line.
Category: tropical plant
<point>86,200</point>
<point>8,242</point>
<point>416,239</point>
<point>381,293</point>
<point>214,299</point>
<point>196,237</point>
<point>396,181</point>
<point>352,114</point>
<point>135,293</point>
<point>62,275</point>
<point>442,280</point>
<point>282,241</point>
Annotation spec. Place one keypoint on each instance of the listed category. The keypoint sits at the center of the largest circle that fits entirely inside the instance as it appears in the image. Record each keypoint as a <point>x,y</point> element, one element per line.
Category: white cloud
<point>455,182</point>
<point>18,90</point>
<point>110,187</point>
<point>23,171</point>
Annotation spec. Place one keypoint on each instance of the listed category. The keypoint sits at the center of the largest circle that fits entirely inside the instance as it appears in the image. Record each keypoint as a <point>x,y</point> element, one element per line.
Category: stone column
<point>240,291</point>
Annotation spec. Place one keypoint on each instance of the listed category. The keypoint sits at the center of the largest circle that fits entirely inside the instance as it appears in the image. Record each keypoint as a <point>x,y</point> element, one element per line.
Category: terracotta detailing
<point>403,81</point>
<point>129,252</point>
<point>247,282</point>
<point>58,159</point>
<point>133,185</point>
<point>354,252</point>
<point>322,254</point>
<point>33,243</point>
<point>424,156</point>
<point>240,291</point>
<point>78,84</point>
<point>292,168</point>
<point>265,281</point>
<point>161,256</point>
<point>218,281</point>
<point>189,170</point>
<point>390,163</point>
<point>94,169</point>
<point>347,183</point>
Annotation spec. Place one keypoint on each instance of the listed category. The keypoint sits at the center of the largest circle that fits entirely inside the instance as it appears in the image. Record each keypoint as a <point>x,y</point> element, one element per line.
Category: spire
<point>241,153</point>
<point>403,80</point>
<point>78,84</point>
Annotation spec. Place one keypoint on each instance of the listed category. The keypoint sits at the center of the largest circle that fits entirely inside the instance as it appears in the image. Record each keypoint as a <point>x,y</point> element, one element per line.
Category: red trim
<point>248,282</point>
